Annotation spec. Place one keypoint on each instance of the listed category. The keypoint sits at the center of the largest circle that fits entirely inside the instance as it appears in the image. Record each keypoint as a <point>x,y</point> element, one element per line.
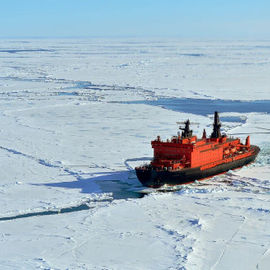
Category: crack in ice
<point>81,207</point>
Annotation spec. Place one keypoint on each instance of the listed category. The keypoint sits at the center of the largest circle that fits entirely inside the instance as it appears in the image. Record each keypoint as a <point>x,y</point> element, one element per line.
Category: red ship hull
<point>150,177</point>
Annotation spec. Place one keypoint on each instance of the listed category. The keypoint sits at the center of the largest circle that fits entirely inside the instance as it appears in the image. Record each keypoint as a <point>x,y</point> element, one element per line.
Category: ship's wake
<point>220,183</point>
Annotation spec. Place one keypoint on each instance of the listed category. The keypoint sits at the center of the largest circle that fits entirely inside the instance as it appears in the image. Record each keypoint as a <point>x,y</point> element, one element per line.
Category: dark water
<point>208,106</point>
<point>192,54</point>
<point>67,93</point>
<point>25,50</point>
<point>119,189</point>
<point>81,207</point>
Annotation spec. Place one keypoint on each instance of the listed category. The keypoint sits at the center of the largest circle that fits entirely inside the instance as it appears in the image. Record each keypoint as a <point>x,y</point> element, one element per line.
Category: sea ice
<point>72,131</point>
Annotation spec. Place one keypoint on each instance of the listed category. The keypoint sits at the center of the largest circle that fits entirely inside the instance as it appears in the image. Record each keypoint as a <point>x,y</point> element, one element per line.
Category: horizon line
<point>140,37</point>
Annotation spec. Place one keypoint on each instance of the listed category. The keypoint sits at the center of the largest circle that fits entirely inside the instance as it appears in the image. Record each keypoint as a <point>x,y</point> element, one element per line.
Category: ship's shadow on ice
<point>120,184</point>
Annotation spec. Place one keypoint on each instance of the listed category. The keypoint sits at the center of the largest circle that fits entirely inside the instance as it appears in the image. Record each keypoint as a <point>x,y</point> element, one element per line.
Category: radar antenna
<point>187,132</point>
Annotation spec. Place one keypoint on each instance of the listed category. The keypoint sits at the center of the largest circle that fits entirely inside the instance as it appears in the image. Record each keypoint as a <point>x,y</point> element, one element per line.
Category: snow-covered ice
<point>76,119</point>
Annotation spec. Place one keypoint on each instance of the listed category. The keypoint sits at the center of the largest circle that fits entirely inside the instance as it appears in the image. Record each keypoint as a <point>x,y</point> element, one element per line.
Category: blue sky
<point>128,18</point>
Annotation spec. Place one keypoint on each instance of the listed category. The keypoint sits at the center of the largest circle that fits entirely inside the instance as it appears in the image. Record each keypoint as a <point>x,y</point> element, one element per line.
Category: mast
<point>187,132</point>
<point>204,134</point>
<point>216,127</point>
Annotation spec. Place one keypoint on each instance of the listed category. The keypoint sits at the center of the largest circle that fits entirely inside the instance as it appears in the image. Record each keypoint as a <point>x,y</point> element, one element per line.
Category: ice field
<point>78,115</point>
